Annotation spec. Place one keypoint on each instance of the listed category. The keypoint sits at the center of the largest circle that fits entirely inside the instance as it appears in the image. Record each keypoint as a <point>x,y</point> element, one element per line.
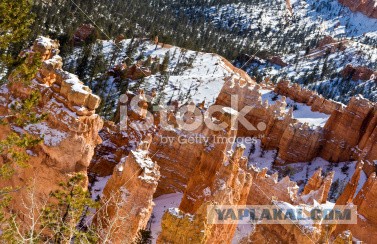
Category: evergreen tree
<point>63,216</point>
<point>15,20</point>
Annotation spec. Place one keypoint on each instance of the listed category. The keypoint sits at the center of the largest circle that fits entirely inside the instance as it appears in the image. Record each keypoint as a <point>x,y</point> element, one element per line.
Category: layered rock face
<point>292,148</point>
<point>306,96</point>
<point>83,33</point>
<point>127,201</point>
<point>237,94</point>
<point>115,144</point>
<point>365,201</point>
<point>358,73</point>
<point>267,190</point>
<point>267,187</point>
<point>229,186</point>
<point>367,7</point>
<point>70,130</point>
<point>367,145</point>
<point>349,134</point>
<point>177,160</point>
<point>345,128</point>
<point>297,142</point>
<point>119,139</point>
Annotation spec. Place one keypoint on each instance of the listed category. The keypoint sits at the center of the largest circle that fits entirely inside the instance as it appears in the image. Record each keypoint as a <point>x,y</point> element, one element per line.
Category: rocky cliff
<point>127,201</point>
<point>229,186</point>
<point>70,130</point>
<point>367,7</point>
<point>206,170</point>
<point>366,216</point>
<point>306,96</point>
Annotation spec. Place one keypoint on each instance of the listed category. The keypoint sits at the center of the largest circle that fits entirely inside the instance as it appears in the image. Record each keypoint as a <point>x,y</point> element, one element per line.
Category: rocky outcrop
<point>176,168</point>
<point>267,188</point>
<point>367,148</point>
<point>297,142</point>
<point>119,139</point>
<point>306,96</point>
<point>345,128</point>
<point>134,72</point>
<point>70,131</point>
<point>367,7</point>
<point>349,191</point>
<point>83,33</point>
<point>289,6</point>
<point>217,177</point>
<point>202,176</point>
<point>358,73</point>
<point>277,60</point>
<point>291,146</point>
<point>229,186</point>
<point>326,41</point>
<point>318,188</point>
<point>127,201</point>
<point>366,214</point>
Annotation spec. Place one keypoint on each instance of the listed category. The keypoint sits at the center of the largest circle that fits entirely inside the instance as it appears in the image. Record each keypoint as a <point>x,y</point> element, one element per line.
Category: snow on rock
<point>301,112</point>
<point>51,137</point>
<point>97,186</point>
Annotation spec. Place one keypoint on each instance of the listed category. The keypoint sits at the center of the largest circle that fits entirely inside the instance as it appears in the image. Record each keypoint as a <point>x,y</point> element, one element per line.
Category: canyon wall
<point>349,133</point>
<point>306,96</point>
<point>70,130</point>
<point>367,7</point>
<point>127,201</point>
<point>365,202</point>
<point>230,185</point>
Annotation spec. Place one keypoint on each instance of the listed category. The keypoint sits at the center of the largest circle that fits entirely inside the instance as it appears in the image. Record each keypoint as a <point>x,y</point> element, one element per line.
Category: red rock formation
<point>317,189</point>
<point>83,32</point>
<point>368,145</point>
<point>303,95</point>
<point>300,142</point>
<point>367,7</point>
<point>358,73</point>
<point>326,41</point>
<point>115,144</point>
<point>289,6</point>
<point>203,176</point>
<point>367,216</point>
<point>277,60</point>
<point>119,139</point>
<point>345,128</point>
<point>127,201</point>
<point>349,192</point>
<point>230,186</point>
<point>266,188</point>
<point>176,168</point>
<point>134,72</point>
<point>70,130</point>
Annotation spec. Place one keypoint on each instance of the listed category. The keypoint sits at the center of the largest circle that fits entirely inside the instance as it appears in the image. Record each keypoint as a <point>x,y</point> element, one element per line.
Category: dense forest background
<point>244,31</point>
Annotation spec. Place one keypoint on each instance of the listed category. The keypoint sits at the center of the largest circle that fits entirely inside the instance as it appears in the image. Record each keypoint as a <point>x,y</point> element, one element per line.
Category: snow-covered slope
<point>190,76</point>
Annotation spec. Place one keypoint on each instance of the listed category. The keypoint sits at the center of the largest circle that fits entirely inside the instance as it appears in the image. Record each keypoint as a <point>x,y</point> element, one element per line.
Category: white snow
<point>98,186</point>
<point>52,137</point>
<point>301,112</point>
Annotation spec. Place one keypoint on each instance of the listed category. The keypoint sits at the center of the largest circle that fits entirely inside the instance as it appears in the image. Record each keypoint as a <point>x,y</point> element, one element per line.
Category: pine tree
<point>165,63</point>
<point>63,216</point>
<point>15,20</point>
